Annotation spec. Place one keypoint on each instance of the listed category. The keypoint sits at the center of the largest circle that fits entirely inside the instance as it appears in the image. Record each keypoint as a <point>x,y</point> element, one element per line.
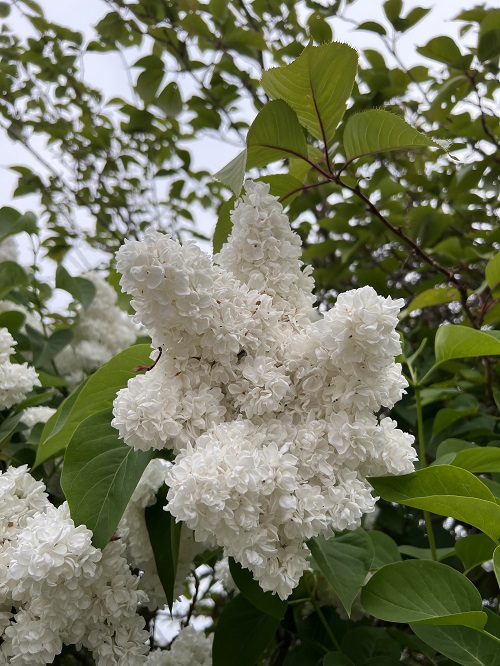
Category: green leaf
<point>496,563</point>
<point>81,289</point>
<point>385,549</point>
<point>4,9</point>
<point>443,49</point>
<point>148,83</point>
<point>99,475</point>
<point>479,459</point>
<point>233,174</point>
<point>56,343</point>
<point>223,226</point>
<point>319,29</point>
<point>345,561</point>
<point>488,46</point>
<point>447,491</point>
<point>473,550</point>
<point>13,222</point>
<point>242,634</point>
<point>377,131</point>
<point>493,271</point>
<point>266,602</point>
<point>47,379</point>
<point>11,275</point>
<point>453,445</point>
<point>462,342</point>
<point>275,134</point>
<point>393,9</point>
<point>8,427</point>
<point>97,393</point>
<point>164,536</point>
<point>422,591</point>
<point>170,100</point>
<point>365,644</point>
<point>426,553</point>
<point>12,320</point>
<point>463,645</point>
<point>282,185</point>
<point>415,15</point>
<point>316,85</point>
<point>428,297</point>
<point>372,26</point>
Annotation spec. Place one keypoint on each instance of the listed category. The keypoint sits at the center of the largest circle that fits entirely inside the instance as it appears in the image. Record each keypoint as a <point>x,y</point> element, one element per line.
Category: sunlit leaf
<point>316,85</point>
<point>377,131</point>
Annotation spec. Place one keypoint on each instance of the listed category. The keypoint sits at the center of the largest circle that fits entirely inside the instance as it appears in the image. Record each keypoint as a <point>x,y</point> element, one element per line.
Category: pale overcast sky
<point>107,72</point>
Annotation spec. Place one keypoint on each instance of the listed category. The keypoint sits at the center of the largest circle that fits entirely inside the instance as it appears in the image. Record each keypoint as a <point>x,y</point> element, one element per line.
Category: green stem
<point>423,464</point>
<point>325,623</point>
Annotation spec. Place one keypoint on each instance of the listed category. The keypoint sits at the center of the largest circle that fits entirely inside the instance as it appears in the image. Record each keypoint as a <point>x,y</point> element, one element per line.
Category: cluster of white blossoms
<point>16,379</point>
<point>190,648</point>
<point>102,330</point>
<point>134,534</point>
<point>269,409</point>
<point>56,588</point>
<point>34,415</point>
<point>9,250</point>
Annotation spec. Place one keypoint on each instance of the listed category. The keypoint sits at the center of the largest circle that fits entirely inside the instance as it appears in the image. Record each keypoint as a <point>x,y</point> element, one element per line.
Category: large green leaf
<point>266,602</point>
<point>384,548</point>
<point>164,535</point>
<point>274,134</point>
<point>429,297</point>
<point>479,459</point>
<point>461,342</point>
<point>242,634</point>
<point>464,645</point>
<point>316,85</point>
<point>447,491</point>
<point>345,561</point>
<point>443,49</point>
<point>98,393</point>
<point>423,591</point>
<point>99,475</point>
<point>378,131</point>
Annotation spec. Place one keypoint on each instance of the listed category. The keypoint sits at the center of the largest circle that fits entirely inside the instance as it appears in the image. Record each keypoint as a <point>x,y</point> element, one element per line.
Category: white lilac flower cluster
<point>190,648</point>
<point>56,588</point>
<point>16,379</point>
<point>34,415</point>
<point>133,532</point>
<point>9,250</point>
<point>103,330</point>
<point>270,409</point>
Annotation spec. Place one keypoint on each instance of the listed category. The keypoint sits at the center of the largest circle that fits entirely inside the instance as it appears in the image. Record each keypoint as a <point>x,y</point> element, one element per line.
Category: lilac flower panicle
<point>269,408</point>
